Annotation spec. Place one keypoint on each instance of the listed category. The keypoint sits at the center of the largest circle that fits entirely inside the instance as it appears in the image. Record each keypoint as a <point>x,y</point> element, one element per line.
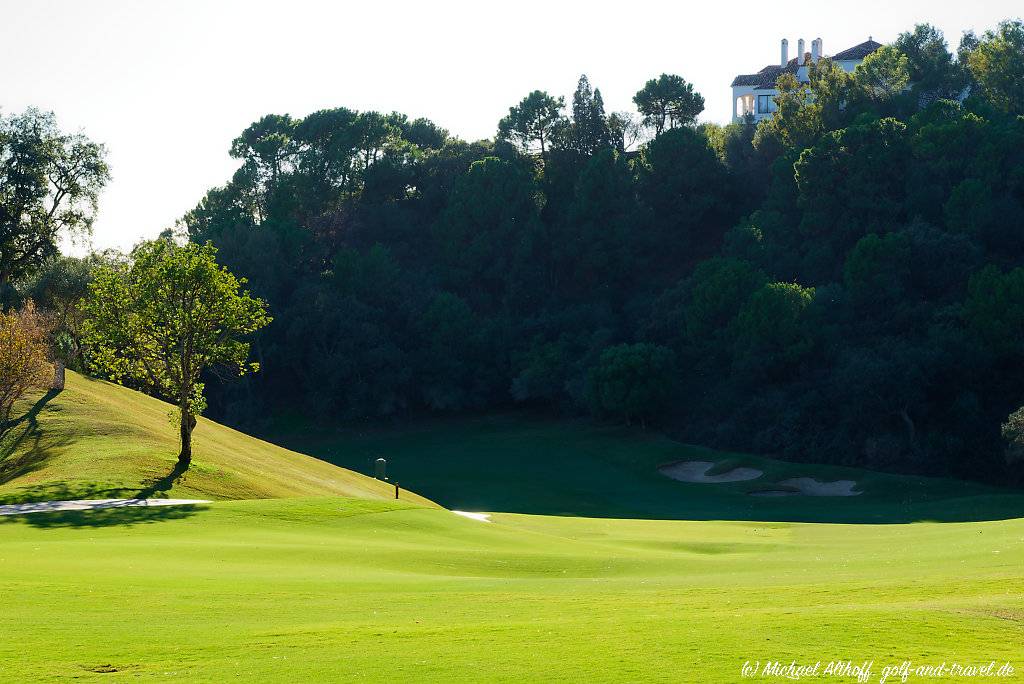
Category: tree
<point>772,330</point>
<point>266,145</point>
<point>833,90</point>
<point>995,309</point>
<point>167,316</point>
<point>49,185</point>
<point>623,130</point>
<point>992,217</point>
<point>852,182</point>
<point>876,270</point>
<point>796,123</point>
<point>930,65</point>
<point>451,352</point>
<point>668,101</point>
<point>686,187</point>
<point>883,74</point>
<point>23,357</point>
<point>533,121</point>
<point>590,130</point>
<point>596,246</point>
<point>719,288</point>
<point>633,381</point>
<point>489,236</point>
<point>997,65</point>
<point>59,288</point>
<point>1013,434</point>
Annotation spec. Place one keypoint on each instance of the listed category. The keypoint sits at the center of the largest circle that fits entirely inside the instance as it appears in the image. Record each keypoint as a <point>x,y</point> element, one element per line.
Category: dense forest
<point>841,283</point>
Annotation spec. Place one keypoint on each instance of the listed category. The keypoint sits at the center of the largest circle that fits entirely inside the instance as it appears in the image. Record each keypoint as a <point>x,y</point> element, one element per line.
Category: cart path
<point>91,505</point>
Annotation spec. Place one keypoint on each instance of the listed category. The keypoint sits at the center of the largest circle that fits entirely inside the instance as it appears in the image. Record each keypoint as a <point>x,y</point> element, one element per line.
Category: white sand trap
<point>91,505</point>
<point>694,471</point>
<point>813,487</point>
<point>482,517</point>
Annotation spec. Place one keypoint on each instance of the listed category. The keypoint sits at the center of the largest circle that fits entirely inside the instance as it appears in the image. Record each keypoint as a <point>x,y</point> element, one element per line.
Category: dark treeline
<point>842,283</point>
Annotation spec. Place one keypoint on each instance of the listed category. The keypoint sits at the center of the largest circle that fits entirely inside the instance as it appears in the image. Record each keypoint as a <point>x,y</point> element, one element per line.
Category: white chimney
<point>800,51</point>
<point>785,52</point>
<point>815,49</point>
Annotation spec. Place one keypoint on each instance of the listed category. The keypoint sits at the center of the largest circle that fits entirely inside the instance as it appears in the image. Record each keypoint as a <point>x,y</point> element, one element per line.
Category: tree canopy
<point>167,316</point>
<point>49,185</point>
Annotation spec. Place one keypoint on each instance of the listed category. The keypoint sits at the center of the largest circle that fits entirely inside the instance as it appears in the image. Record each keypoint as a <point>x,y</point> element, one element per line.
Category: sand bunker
<point>812,487</point>
<point>694,471</point>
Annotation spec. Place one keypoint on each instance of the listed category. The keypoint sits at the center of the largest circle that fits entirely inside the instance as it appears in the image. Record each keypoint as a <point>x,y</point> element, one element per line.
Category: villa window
<point>765,104</point>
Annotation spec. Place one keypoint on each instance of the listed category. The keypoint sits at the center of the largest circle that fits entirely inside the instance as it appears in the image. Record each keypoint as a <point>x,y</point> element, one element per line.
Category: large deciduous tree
<point>165,317</point>
<point>49,185</point>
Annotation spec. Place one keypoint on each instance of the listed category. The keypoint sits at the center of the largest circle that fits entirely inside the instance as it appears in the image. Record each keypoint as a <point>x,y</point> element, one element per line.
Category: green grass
<point>339,590</point>
<point>98,440</point>
<point>321,587</point>
<point>517,464</point>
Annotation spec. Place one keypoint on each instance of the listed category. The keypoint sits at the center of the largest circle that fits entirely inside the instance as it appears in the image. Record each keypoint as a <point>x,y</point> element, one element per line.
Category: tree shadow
<point>114,516</point>
<point>24,446</point>
<point>162,485</point>
<point>67,491</point>
<point>109,515</point>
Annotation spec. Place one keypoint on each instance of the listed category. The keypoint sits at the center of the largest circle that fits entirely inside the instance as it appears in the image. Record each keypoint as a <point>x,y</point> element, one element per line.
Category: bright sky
<point>167,85</point>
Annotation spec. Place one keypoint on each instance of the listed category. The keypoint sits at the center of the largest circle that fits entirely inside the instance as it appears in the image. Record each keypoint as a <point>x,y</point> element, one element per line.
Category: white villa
<point>754,94</point>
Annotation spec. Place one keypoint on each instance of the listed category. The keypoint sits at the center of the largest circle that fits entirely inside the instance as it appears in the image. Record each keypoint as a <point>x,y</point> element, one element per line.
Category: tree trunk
<point>59,374</point>
<point>911,429</point>
<point>188,424</point>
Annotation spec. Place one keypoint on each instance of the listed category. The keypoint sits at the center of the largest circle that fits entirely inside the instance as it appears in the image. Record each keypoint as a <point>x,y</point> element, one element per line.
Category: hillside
<point>99,440</point>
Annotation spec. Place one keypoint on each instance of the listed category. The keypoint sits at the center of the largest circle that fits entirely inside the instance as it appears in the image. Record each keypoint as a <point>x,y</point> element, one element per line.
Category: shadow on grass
<point>24,446</point>
<point>162,485</point>
<point>67,491</point>
<point>115,516</point>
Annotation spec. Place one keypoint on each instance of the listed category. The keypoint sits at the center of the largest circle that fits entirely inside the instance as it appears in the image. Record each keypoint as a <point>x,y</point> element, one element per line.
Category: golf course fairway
<point>332,589</point>
<point>301,571</point>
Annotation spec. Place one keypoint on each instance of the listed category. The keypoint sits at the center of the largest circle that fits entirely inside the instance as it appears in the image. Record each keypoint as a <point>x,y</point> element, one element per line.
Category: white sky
<point>167,85</point>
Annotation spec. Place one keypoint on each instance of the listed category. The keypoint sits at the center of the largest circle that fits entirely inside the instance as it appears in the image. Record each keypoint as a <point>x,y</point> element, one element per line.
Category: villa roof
<point>767,77</point>
<point>857,51</point>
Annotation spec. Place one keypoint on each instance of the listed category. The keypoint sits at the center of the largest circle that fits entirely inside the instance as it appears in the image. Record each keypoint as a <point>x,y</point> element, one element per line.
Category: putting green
<point>340,589</point>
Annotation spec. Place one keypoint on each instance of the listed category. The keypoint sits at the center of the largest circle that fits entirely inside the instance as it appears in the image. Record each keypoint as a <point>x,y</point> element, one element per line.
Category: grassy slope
<point>97,440</point>
<point>341,590</point>
<point>514,464</point>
